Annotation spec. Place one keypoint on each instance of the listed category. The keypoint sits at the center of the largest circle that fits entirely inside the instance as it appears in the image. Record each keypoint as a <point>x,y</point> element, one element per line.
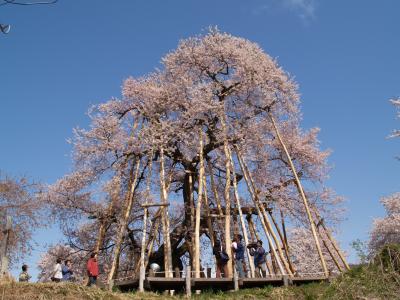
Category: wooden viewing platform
<point>223,284</point>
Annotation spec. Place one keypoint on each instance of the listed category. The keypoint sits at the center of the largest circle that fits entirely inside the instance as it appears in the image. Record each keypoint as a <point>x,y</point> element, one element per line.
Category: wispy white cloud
<point>305,9</point>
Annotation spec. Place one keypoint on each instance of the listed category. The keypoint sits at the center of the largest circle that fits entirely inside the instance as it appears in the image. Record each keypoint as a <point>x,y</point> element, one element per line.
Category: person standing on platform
<point>238,250</point>
<point>222,259</point>
<point>259,258</point>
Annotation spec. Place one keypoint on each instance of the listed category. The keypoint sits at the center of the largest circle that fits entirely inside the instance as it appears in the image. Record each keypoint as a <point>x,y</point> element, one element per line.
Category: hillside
<point>380,279</point>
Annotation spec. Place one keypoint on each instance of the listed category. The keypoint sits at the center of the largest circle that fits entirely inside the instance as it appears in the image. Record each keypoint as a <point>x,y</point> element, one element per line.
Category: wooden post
<point>165,219</point>
<point>235,280</point>
<point>302,194</point>
<point>281,256</point>
<point>198,211</point>
<point>145,212</point>
<point>242,223</point>
<point>216,196</point>
<point>228,240</point>
<point>142,275</point>
<point>258,207</point>
<point>264,215</point>
<point>283,240</point>
<point>284,229</point>
<point>122,227</point>
<point>331,239</point>
<point>188,282</point>
<point>207,209</point>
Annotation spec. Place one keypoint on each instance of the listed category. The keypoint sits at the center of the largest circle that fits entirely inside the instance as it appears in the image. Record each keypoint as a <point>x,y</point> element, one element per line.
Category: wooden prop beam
<point>242,223</point>
<point>253,196</point>
<point>301,192</point>
<point>165,219</point>
<point>122,227</point>
<point>228,239</point>
<point>198,210</point>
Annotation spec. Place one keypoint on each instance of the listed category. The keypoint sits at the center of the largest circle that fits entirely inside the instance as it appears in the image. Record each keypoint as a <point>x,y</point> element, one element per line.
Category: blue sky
<point>58,60</point>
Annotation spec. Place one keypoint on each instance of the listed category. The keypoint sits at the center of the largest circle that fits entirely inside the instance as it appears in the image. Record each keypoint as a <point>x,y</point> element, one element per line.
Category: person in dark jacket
<point>92,269</point>
<point>67,272</point>
<point>221,258</point>
<point>259,258</point>
<point>238,250</point>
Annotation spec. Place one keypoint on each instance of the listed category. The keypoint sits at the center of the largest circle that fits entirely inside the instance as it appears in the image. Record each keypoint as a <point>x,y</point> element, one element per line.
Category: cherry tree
<point>18,200</point>
<point>386,230</point>
<point>218,126</point>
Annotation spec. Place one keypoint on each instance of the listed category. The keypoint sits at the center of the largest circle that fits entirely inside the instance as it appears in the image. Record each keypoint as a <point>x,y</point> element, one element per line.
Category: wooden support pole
<point>253,196</point>
<point>283,241</point>
<point>278,247</point>
<point>188,282</point>
<point>239,207</point>
<point>208,214</point>
<point>235,280</point>
<point>165,219</point>
<point>142,276</point>
<point>151,242</point>
<point>301,192</point>
<point>123,223</point>
<point>326,230</point>
<point>228,239</point>
<point>198,210</point>
<point>215,193</point>
<point>284,228</point>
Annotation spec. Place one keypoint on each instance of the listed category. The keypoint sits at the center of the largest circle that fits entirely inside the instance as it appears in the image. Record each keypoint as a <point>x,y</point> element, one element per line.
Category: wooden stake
<point>302,194</point>
<point>258,207</point>
<point>216,196</point>
<point>284,244</point>
<point>269,226</point>
<point>148,183</point>
<point>228,239</point>
<point>165,219</point>
<point>239,207</point>
<point>320,221</point>
<point>198,210</point>
<point>122,227</point>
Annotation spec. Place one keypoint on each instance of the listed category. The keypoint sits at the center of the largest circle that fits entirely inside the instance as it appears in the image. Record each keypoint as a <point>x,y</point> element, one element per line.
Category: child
<point>24,276</point>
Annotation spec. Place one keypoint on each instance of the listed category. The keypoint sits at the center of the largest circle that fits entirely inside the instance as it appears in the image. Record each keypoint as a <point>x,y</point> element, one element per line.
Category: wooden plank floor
<point>178,284</point>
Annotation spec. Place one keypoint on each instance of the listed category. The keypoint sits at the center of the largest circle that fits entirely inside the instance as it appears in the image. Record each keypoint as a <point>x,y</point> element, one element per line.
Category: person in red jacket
<point>92,269</point>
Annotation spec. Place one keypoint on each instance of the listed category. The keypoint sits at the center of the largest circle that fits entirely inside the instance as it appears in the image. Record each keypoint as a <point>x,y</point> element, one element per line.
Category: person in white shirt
<point>57,272</point>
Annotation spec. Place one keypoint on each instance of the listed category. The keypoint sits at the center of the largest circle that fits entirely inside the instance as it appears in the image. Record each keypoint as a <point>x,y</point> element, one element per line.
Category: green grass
<point>377,280</point>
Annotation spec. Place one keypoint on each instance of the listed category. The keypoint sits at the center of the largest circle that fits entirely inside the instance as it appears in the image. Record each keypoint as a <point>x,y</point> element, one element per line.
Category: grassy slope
<point>378,280</point>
